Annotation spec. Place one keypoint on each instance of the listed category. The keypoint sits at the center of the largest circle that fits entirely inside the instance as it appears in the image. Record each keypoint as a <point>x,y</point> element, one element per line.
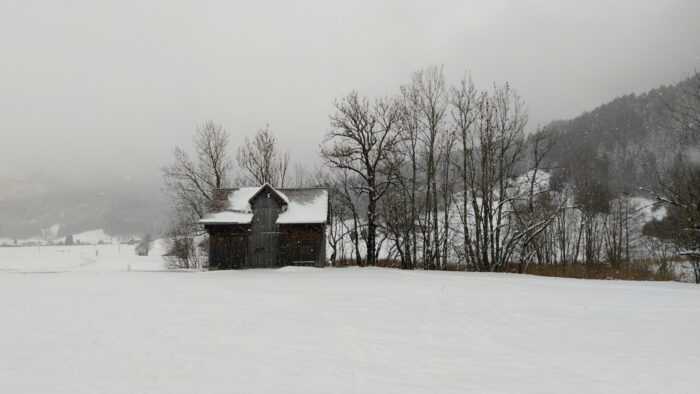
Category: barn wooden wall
<point>300,244</point>
<point>303,244</point>
<point>227,246</point>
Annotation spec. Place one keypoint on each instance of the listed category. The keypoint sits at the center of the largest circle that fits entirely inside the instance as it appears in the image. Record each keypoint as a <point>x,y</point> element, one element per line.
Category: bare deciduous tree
<point>466,103</point>
<point>181,244</point>
<point>189,184</point>
<point>495,147</point>
<point>261,161</point>
<point>403,205</point>
<point>189,181</point>
<point>428,93</point>
<point>361,141</point>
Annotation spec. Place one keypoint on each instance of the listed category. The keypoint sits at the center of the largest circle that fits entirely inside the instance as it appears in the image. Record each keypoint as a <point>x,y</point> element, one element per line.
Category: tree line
<point>444,176</point>
<point>440,174</point>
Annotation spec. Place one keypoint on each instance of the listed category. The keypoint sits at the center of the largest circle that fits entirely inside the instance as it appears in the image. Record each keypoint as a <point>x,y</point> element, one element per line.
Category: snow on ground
<point>88,329</point>
<point>86,237</point>
<point>61,258</point>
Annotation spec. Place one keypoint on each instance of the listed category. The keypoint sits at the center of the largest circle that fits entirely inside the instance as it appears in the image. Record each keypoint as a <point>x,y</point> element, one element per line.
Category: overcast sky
<point>110,87</point>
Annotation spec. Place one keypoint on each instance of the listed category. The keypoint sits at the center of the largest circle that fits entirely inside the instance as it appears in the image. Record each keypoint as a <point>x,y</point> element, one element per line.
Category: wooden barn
<point>256,227</point>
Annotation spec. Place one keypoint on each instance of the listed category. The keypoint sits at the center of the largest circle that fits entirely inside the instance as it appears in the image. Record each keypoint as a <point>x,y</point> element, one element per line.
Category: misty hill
<point>622,142</point>
<point>41,204</point>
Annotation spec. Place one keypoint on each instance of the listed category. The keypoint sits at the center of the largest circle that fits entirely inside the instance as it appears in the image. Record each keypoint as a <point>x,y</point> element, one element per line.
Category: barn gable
<point>278,196</point>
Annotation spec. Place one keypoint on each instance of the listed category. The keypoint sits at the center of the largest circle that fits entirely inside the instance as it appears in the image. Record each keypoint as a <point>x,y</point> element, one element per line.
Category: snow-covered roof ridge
<point>266,185</point>
<point>303,205</point>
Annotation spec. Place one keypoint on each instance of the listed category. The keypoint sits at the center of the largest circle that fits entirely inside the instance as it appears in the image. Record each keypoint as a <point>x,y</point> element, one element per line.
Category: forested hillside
<point>636,146</point>
<point>623,143</point>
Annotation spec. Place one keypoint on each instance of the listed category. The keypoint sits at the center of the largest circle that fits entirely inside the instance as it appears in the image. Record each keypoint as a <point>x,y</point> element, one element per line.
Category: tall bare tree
<point>261,161</point>
<point>466,103</point>
<point>405,204</point>
<point>428,91</point>
<point>346,221</point>
<point>495,146</point>
<point>362,140</point>
<point>190,180</point>
<point>189,184</point>
<point>446,191</point>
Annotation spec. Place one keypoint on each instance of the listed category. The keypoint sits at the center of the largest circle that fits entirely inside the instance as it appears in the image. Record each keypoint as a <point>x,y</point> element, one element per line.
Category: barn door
<point>219,252</point>
<point>265,237</point>
<point>237,251</point>
<point>265,250</point>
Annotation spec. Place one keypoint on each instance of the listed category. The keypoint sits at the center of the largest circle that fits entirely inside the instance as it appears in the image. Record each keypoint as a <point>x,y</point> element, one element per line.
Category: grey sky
<point>109,87</point>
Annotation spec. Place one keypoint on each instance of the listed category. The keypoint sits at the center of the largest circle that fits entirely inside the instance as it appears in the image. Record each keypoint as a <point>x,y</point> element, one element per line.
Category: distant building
<point>266,227</point>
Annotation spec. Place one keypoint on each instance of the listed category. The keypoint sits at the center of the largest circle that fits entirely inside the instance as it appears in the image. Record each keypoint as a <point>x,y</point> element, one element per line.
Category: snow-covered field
<point>60,258</point>
<point>76,321</point>
<point>86,237</point>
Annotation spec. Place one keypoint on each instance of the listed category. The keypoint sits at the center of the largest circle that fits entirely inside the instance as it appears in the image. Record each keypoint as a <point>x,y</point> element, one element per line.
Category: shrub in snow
<point>184,246</point>
<point>143,246</point>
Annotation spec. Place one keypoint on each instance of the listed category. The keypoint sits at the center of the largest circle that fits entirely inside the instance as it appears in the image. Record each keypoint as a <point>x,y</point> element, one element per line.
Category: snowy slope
<point>90,237</point>
<point>303,330</point>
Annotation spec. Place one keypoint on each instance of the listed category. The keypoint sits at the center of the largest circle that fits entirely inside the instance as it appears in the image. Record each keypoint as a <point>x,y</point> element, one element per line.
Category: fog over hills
<point>50,206</point>
<point>616,140</point>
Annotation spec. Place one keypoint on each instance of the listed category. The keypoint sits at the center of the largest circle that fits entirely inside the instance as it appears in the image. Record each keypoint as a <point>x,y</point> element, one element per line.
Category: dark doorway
<point>237,251</point>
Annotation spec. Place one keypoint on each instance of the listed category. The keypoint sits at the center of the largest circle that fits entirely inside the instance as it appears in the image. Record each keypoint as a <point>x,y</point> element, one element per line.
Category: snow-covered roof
<point>232,206</point>
<point>230,217</point>
<point>307,206</point>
